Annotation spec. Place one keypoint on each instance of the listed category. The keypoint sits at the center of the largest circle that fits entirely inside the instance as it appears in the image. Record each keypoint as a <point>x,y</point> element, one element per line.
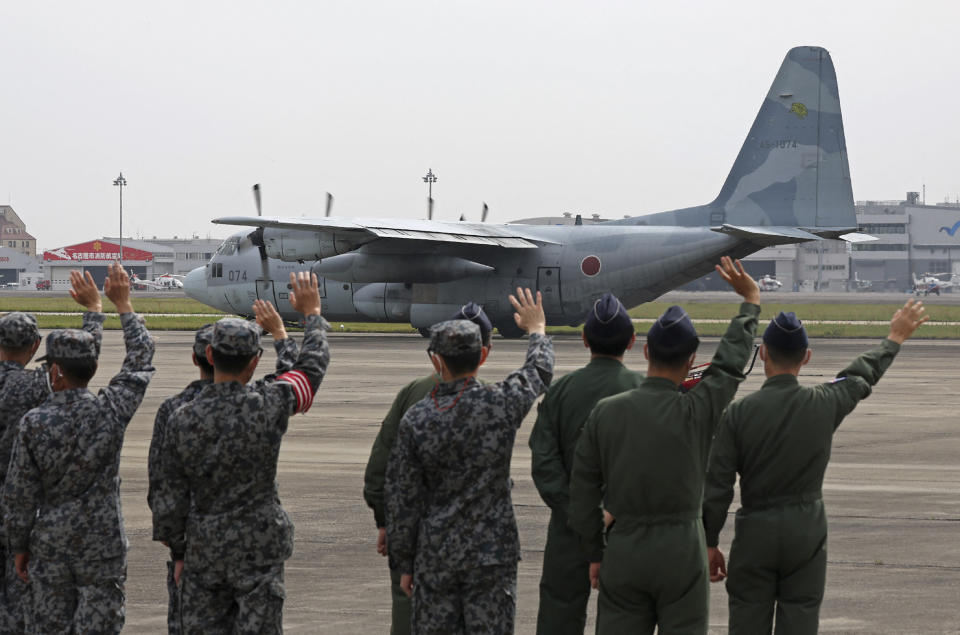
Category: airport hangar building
<point>146,259</point>
<point>912,239</point>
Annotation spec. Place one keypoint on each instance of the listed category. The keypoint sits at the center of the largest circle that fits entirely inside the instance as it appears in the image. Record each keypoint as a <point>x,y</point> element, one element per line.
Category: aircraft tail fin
<point>792,171</point>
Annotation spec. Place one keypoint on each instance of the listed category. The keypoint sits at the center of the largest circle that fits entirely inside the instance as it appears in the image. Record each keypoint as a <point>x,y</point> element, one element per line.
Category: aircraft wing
<point>508,236</point>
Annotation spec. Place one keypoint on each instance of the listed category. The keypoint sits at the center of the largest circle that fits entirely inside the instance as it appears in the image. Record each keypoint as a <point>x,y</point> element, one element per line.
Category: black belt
<point>751,503</point>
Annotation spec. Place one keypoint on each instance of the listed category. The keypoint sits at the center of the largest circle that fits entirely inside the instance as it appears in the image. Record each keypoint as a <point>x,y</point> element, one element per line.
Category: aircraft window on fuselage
<point>228,247</point>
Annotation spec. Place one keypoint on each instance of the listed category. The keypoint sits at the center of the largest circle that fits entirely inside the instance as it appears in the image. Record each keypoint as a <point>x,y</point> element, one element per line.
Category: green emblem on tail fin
<point>798,109</point>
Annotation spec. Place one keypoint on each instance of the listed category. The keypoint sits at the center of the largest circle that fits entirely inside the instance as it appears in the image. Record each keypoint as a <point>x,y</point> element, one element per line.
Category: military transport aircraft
<point>789,184</point>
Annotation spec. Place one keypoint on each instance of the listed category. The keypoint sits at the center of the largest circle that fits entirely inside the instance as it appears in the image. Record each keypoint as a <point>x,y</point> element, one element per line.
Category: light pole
<point>120,181</point>
<point>430,179</point>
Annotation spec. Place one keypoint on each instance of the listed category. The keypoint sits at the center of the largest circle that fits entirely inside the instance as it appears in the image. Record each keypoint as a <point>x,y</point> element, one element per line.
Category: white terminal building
<point>913,239</point>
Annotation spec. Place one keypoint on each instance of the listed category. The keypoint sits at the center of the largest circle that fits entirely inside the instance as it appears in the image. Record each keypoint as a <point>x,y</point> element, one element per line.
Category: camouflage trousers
<point>76,597</point>
<point>481,600</point>
<point>13,596</point>
<point>173,608</point>
<point>245,600</point>
<point>400,610</point>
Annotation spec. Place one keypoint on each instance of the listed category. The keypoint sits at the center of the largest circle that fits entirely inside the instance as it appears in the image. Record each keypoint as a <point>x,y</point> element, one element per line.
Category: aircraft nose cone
<point>195,284</point>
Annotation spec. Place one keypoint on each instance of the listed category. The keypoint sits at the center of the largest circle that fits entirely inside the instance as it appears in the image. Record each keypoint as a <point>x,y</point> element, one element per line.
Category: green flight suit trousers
<point>565,582</point>
<point>400,614</point>
<point>654,575</point>
<point>777,569</point>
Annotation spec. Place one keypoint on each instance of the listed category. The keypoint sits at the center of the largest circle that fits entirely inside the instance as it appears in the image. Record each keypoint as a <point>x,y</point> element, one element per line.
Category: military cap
<point>454,337</point>
<point>70,344</point>
<point>234,336</point>
<point>18,330</point>
<point>607,318</point>
<point>203,337</point>
<point>474,312</point>
<point>672,329</point>
<point>786,332</point>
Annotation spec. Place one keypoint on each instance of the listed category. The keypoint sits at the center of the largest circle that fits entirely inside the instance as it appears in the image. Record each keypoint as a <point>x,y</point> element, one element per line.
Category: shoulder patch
<point>301,388</point>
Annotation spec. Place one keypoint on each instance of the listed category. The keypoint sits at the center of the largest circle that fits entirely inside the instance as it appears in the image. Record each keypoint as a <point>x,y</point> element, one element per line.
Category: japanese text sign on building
<point>97,250</point>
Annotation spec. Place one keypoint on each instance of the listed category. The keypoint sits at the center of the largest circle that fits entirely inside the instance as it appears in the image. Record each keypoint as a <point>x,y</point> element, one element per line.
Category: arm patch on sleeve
<point>301,389</point>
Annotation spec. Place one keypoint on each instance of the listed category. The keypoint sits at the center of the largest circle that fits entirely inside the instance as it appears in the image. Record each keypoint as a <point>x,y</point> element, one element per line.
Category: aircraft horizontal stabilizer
<point>768,236</point>
<point>857,237</point>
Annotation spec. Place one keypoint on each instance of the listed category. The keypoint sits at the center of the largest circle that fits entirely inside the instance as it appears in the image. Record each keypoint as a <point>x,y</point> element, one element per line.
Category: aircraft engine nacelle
<point>387,301</point>
<point>293,245</point>
<point>363,267</point>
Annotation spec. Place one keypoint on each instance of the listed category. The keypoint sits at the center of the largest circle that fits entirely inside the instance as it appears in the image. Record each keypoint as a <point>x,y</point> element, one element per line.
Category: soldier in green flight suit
<point>565,583</point>
<point>779,439</point>
<point>376,471</point>
<point>643,453</point>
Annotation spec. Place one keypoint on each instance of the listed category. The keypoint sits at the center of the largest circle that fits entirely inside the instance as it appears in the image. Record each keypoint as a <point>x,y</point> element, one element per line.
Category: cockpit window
<point>228,247</point>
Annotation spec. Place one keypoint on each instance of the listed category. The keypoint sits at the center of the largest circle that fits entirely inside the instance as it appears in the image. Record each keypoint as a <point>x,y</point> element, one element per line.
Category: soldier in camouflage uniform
<point>286,349</point>
<point>218,508</point>
<point>21,390</point>
<point>643,453</point>
<point>377,464</point>
<point>565,582</point>
<point>61,499</point>
<point>779,439</point>
<point>450,523</point>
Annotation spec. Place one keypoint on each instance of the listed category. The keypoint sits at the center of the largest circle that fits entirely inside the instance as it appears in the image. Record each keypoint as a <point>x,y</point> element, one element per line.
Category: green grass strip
<point>869,312</point>
<point>140,303</point>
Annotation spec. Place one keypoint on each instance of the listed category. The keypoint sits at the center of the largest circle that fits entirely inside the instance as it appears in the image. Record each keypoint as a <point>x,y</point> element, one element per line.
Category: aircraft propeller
<point>483,214</point>
<point>329,204</point>
<point>256,198</point>
<point>256,236</point>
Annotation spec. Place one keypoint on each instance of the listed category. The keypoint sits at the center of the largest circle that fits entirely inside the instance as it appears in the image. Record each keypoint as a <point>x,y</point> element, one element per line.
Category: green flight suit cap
<point>608,318</point>
<point>786,332</point>
<point>474,312</point>
<point>672,333</point>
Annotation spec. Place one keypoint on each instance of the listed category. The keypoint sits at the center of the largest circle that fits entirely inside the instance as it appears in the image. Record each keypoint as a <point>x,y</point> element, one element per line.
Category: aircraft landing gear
<point>425,332</point>
<point>511,331</point>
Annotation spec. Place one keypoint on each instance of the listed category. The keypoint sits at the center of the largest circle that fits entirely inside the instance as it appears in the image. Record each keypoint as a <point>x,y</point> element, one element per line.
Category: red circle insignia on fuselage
<point>590,266</point>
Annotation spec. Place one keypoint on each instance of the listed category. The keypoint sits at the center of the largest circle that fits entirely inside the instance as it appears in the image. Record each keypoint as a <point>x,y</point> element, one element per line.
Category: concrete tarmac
<point>892,490</point>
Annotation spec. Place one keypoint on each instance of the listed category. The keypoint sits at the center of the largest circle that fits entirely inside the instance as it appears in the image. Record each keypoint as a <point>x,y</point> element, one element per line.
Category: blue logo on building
<point>951,230</point>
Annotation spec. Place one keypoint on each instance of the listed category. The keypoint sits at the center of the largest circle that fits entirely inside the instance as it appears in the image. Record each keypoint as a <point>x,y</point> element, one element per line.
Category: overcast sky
<point>536,108</point>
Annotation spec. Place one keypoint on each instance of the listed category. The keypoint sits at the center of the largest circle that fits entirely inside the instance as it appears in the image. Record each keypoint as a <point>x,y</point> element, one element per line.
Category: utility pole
<point>430,179</point>
<point>120,181</point>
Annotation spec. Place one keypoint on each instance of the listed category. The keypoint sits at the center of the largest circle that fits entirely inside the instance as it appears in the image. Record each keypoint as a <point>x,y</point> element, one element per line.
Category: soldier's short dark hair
<point>672,356</point>
<point>785,358</point>
<point>614,345</point>
<point>231,364</point>
<point>205,367</point>
<point>463,363</point>
<point>77,371</point>
<point>19,350</point>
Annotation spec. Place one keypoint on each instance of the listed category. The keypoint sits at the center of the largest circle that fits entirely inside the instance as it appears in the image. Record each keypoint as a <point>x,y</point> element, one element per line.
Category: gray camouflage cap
<point>233,336</point>
<point>203,337</point>
<point>70,344</point>
<point>18,330</point>
<point>454,337</point>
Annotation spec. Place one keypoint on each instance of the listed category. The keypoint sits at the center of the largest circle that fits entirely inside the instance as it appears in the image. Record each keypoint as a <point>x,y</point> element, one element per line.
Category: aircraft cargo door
<point>265,291</point>
<point>548,284</point>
